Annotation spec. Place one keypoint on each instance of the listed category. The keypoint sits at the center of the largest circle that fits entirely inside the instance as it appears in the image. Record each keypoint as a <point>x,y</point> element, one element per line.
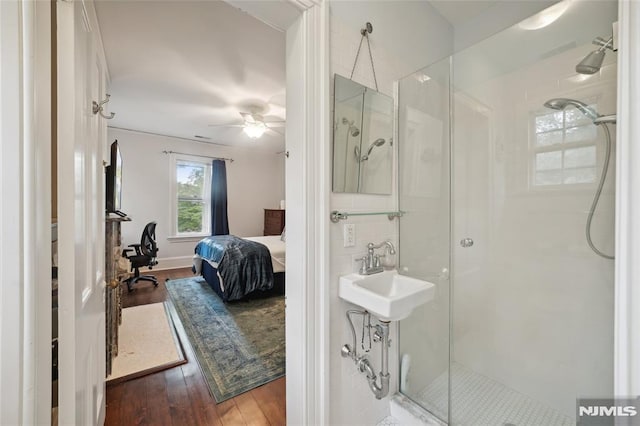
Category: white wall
<point>398,49</point>
<point>255,181</point>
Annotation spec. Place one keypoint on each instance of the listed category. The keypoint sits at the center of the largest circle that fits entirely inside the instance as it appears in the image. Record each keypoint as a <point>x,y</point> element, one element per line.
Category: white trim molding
<point>307,194</point>
<point>25,212</point>
<point>305,4</point>
<point>627,292</point>
<point>173,262</point>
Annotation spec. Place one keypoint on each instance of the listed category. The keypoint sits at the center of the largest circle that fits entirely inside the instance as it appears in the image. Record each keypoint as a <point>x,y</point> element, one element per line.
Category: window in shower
<point>563,148</point>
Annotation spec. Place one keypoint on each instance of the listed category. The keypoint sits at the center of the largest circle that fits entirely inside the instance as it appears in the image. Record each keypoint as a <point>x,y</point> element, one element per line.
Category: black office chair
<point>145,255</point>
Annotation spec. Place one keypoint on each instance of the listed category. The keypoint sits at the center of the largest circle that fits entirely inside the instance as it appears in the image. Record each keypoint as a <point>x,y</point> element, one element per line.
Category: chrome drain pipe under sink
<point>381,335</point>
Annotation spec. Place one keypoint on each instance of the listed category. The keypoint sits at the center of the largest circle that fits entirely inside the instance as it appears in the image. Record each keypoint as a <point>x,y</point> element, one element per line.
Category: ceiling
<point>178,66</point>
<point>459,12</point>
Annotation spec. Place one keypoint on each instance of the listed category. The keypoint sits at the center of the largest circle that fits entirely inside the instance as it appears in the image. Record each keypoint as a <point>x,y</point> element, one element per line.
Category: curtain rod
<point>198,155</point>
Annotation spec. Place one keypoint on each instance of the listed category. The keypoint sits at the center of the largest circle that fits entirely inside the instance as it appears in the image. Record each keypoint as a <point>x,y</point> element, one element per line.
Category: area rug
<point>147,343</point>
<point>239,345</point>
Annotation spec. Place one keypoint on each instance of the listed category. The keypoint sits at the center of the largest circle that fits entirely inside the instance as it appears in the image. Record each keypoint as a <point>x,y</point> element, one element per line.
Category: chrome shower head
<point>353,130</point>
<point>561,103</point>
<point>591,63</point>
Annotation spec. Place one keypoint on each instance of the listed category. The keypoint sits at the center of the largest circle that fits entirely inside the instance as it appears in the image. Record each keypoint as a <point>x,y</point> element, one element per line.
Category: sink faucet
<point>387,244</point>
<point>371,262</point>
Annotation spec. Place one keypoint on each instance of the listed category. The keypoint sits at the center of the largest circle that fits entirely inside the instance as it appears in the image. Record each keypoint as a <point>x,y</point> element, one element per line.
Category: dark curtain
<point>219,219</point>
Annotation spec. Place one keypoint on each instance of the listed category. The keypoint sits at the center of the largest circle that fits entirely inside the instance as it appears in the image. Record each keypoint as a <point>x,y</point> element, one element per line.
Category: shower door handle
<point>466,242</point>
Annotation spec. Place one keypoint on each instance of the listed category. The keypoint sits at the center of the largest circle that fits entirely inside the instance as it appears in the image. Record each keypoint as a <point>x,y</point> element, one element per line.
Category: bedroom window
<point>564,148</point>
<point>192,195</point>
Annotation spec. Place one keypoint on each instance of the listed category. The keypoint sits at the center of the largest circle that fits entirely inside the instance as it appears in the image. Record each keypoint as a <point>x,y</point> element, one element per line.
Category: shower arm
<point>604,44</point>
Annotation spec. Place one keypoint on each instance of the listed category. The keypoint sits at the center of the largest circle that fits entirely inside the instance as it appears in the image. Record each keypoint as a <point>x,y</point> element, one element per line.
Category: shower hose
<point>596,198</point>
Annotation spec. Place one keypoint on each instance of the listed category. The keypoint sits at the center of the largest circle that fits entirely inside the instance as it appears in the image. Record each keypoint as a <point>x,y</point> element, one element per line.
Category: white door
<point>81,135</point>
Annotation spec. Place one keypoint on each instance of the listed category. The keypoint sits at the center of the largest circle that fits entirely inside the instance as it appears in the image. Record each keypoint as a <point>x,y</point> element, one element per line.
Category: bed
<point>238,268</point>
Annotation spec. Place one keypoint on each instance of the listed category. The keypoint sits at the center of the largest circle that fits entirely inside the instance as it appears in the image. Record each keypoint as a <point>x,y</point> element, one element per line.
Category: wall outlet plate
<point>349,234</point>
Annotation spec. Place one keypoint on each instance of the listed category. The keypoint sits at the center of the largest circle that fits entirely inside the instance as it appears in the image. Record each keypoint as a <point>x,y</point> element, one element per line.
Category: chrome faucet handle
<point>363,267</point>
<point>376,261</point>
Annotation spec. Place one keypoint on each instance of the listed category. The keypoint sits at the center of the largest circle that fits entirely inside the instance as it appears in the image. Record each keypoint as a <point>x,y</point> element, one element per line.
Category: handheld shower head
<point>562,103</point>
<point>377,142</point>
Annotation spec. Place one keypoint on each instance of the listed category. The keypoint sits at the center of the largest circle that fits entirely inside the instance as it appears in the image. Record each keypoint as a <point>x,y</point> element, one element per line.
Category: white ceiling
<point>178,66</point>
<point>459,12</point>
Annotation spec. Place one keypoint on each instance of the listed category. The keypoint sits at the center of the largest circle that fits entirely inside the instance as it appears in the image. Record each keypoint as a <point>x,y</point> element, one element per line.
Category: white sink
<point>386,295</point>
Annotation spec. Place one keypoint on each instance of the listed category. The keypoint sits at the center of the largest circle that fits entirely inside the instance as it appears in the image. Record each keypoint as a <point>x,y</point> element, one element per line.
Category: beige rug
<point>147,343</point>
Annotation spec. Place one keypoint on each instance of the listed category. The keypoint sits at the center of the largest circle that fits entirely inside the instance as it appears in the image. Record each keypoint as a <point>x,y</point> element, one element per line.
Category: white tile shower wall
<point>352,402</point>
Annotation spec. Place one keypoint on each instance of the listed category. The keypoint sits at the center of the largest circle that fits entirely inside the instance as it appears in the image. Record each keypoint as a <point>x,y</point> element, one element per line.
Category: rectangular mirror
<point>362,139</point>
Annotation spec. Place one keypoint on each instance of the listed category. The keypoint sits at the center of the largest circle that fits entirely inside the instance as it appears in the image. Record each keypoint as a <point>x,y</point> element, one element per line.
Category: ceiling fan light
<point>254,130</point>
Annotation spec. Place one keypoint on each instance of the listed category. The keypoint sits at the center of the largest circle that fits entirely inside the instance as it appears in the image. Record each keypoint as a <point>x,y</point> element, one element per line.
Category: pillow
<point>283,236</point>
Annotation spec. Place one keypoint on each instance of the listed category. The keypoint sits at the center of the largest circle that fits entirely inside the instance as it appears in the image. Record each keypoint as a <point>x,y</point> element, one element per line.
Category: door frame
<point>25,212</point>
<point>307,217</point>
<point>627,267</point>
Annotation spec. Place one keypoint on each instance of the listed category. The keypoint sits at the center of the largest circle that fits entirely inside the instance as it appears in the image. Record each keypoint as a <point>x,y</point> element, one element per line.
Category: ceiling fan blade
<point>275,123</point>
<point>275,131</point>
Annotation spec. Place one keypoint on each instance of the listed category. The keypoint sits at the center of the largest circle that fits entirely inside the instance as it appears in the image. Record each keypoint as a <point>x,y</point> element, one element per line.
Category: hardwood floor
<point>179,395</point>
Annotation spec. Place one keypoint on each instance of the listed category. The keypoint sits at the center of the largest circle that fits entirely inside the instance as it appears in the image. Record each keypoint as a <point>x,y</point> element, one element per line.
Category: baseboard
<point>173,263</point>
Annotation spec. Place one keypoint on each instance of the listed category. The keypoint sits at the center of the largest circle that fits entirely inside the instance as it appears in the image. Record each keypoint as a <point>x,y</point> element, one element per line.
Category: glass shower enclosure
<point>496,190</point>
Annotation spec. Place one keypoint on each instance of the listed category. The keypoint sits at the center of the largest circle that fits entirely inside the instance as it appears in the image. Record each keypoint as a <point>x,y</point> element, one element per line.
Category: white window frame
<point>562,146</point>
<point>181,158</point>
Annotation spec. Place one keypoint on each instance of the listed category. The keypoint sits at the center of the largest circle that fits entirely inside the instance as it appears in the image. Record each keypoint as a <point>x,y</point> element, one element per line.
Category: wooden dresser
<point>273,221</point>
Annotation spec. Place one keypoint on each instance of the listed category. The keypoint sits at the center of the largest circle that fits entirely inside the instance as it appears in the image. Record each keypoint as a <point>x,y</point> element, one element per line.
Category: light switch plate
<point>349,235</point>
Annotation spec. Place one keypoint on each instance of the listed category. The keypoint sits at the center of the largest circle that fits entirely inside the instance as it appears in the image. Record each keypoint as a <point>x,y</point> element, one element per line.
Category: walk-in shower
<point>501,151</point>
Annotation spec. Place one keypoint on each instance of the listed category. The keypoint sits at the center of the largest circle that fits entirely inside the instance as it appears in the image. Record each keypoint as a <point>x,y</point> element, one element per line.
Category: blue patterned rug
<point>239,345</point>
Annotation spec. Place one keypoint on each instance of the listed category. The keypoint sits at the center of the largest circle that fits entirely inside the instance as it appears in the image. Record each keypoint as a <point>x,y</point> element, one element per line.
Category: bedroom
<point>176,88</point>
<point>181,77</point>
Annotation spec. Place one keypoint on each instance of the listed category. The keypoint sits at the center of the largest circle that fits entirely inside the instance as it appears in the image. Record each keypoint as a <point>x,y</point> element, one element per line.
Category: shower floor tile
<point>481,401</point>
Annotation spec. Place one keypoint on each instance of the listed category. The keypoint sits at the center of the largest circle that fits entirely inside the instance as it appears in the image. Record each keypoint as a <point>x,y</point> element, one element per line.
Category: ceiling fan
<point>254,125</point>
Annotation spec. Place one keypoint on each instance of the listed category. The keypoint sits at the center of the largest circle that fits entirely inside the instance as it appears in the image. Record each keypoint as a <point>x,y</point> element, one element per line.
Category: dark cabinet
<point>273,221</point>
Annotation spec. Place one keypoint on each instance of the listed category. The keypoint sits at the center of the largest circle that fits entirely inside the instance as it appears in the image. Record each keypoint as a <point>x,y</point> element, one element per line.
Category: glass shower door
<point>531,304</point>
<point>424,189</point>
